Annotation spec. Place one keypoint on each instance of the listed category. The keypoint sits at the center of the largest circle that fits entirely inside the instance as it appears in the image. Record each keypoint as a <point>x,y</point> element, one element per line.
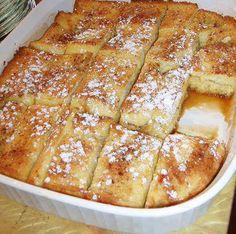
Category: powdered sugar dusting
<point>9,114</point>
<point>214,150</point>
<point>176,48</point>
<point>39,73</point>
<point>41,121</point>
<point>172,194</point>
<point>182,159</point>
<point>179,147</point>
<point>133,39</point>
<point>154,92</point>
<point>69,157</point>
<point>133,148</point>
<point>107,80</point>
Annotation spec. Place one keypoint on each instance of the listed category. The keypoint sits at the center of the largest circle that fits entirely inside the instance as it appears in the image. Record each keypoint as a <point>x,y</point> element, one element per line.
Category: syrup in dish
<point>207,115</point>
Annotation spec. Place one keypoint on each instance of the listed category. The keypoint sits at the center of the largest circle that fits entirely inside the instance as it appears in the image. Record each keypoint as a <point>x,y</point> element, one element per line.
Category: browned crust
<point>230,20</point>
<point>202,165</point>
<point>220,56</point>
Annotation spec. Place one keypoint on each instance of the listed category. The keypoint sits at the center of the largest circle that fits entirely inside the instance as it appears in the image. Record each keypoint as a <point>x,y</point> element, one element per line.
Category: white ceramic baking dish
<point>160,220</point>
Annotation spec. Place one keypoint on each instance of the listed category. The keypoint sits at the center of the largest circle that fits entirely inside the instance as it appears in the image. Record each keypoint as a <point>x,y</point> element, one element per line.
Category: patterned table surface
<point>20,219</point>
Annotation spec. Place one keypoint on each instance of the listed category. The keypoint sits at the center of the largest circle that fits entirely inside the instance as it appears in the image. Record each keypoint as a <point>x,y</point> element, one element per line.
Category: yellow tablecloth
<point>20,219</point>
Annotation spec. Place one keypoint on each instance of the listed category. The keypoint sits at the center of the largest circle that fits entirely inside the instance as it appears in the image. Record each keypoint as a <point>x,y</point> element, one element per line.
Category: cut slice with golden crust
<point>17,82</point>
<point>40,168</point>
<point>175,44</point>
<point>53,40</point>
<point>173,49</point>
<point>108,82</point>
<point>68,161</point>
<point>61,78</point>
<point>93,8</point>
<point>185,167</point>
<point>225,32</point>
<point>136,30</point>
<point>10,115</point>
<point>214,69</point>
<point>213,28</point>
<point>87,125</point>
<point>71,168</point>
<point>178,15</point>
<point>133,40</point>
<point>22,148</point>
<point>34,75</point>
<point>74,34</point>
<point>155,100</point>
<point>139,12</point>
<point>125,168</point>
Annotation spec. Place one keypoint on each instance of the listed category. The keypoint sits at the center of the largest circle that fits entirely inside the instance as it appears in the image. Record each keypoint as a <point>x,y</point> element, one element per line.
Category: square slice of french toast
<point>125,168</point>
<point>155,100</point>
<point>178,15</point>
<point>20,150</point>
<point>173,49</point>
<point>61,77</point>
<point>19,78</point>
<point>133,40</point>
<point>214,69</point>
<point>73,34</point>
<point>226,33</point>
<point>106,85</point>
<point>71,168</point>
<point>213,28</point>
<point>68,161</point>
<point>56,37</point>
<point>36,76</point>
<point>185,167</point>
<point>136,30</point>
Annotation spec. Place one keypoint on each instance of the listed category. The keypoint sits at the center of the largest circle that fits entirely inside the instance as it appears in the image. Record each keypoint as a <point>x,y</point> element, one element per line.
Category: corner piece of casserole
<point>185,167</point>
